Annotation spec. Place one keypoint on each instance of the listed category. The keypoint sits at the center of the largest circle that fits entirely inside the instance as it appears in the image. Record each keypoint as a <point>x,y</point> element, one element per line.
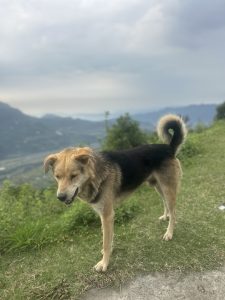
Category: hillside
<point>47,250</point>
<point>22,134</point>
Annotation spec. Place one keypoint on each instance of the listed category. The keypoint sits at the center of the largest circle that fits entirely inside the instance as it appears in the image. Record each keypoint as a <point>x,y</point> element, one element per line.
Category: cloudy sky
<point>89,56</point>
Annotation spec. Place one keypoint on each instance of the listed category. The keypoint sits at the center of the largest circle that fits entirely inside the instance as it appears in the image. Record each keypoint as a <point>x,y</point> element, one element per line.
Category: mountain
<point>22,134</point>
<point>201,113</point>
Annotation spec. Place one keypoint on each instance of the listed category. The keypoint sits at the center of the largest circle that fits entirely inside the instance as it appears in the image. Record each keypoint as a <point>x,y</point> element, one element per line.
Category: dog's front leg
<point>107,220</point>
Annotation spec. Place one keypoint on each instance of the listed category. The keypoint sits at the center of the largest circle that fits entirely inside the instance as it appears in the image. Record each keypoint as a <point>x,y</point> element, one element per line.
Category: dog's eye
<point>57,176</point>
<point>73,176</point>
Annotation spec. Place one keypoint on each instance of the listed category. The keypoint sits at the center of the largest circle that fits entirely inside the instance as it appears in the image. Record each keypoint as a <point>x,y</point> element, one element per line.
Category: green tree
<point>124,134</point>
<point>107,113</point>
<point>220,111</point>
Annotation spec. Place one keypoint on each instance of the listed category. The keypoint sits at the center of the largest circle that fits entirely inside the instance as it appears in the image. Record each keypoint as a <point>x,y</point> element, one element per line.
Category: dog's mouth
<point>69,201</point>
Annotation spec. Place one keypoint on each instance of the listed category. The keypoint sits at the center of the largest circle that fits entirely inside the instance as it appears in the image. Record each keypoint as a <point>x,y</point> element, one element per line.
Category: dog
<point>103,178</point>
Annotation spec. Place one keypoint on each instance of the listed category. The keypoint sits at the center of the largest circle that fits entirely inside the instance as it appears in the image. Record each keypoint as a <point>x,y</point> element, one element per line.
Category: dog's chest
<point>98,207</point>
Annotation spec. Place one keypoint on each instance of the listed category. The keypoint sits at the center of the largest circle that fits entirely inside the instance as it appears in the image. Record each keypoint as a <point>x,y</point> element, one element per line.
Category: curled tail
<point>172,130</point>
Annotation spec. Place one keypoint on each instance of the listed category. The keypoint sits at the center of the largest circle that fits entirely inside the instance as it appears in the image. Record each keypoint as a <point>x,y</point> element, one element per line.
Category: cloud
<point>112,54</point>
<point>197,23</point>
<point>75,94</point>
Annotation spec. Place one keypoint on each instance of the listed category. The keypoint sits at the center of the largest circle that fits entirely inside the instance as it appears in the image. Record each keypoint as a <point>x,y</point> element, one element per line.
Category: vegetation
<point>28,135</point>
<point>25,212</point>
<point>47,250</point>
<point>124,134</point>
<point>220,111</point>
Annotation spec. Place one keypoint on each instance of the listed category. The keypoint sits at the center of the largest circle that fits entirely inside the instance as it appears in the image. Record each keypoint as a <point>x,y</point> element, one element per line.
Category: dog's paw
<point>163,218</point>
<point>101,266</point>
<point>167,236</point>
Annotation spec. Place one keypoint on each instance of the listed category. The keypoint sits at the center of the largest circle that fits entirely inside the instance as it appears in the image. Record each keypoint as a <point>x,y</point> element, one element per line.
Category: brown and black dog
<point>103,178</point>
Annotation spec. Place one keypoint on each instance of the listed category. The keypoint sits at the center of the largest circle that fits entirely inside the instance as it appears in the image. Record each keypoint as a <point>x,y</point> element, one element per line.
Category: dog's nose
<point>62,197</point>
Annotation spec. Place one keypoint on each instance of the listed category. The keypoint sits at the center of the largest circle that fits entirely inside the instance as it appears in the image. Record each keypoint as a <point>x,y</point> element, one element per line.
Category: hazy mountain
<point>202,113</point>
<point>22,134</point>
<point>197,113</point>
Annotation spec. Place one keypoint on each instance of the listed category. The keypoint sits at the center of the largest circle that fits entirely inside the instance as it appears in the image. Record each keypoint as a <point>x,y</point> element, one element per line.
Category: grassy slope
<point>63,270</point>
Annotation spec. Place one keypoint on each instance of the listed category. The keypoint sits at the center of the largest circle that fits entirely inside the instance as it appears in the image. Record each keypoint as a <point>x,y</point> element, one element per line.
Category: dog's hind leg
<point>170,199</point>
<point>107,219</point>
<point>165,215</point>
<point>153,182</point>
<point>168,181</point>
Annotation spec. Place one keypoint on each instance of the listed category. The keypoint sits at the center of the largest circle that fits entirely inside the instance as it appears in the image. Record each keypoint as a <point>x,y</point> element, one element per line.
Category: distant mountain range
<point>201,113</point>
<point>21,134</point>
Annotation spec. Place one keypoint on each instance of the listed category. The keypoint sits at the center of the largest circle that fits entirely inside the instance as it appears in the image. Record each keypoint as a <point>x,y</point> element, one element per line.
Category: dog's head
<point>71,169</point>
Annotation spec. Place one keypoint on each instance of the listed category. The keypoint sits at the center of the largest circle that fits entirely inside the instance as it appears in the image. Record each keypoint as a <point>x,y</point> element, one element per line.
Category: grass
<point>48,250</point>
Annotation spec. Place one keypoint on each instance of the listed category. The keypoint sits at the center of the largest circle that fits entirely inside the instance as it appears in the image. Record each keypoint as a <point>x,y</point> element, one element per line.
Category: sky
<point>73,57</point>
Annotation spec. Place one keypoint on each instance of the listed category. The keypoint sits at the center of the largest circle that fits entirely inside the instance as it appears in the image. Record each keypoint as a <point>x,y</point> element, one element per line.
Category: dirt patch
<point>173,285</point>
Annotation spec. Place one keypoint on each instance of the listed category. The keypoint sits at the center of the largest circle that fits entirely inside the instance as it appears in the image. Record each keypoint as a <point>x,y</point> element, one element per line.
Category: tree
<point>124,134</point>
<point>220,111</point>
<point>107,113</point>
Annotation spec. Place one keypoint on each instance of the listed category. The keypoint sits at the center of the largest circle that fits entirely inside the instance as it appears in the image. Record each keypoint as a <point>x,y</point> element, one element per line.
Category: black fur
<point>96,196</point>
<point>138,163</point>
<point>176,137</point>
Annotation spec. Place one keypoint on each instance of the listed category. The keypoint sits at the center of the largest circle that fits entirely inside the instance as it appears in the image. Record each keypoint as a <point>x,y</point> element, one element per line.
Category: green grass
<point>48,250</point>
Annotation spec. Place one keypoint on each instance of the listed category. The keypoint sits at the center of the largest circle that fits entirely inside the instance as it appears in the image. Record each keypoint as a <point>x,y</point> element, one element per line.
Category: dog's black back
<point>138,163</point>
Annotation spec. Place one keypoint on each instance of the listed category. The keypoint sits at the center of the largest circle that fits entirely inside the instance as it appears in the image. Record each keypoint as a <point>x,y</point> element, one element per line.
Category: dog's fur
<point>102,178</point>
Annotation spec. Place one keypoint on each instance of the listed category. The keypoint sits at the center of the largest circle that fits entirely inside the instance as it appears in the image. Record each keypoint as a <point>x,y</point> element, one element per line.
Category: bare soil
<point>173,285</point>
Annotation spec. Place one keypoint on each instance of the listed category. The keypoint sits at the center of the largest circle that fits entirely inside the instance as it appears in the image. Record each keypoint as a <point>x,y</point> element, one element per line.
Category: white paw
<point>101,266</point>
<point>167,236</point>
<point>163,218</point>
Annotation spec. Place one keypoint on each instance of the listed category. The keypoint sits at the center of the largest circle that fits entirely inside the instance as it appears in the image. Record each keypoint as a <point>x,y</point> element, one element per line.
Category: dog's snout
<point>62,197</point>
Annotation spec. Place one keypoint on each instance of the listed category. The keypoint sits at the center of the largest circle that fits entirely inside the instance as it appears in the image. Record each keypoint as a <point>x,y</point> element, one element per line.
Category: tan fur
<point>84,172</point>
<point>164,136</point>
<point>167,181</point>
<point>66,163</point>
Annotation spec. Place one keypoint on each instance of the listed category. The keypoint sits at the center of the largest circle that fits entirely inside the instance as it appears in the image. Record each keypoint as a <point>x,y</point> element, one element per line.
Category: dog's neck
<point>92,190</point>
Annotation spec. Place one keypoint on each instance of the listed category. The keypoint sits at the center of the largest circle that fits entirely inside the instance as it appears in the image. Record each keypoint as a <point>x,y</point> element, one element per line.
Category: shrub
<point>220,111</point>
<point>124,134</point>
<point>200,127</point>
<point>190,148</point>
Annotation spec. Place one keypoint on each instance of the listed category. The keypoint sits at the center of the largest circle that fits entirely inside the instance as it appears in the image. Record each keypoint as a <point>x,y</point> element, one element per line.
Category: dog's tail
<point>172,130</point>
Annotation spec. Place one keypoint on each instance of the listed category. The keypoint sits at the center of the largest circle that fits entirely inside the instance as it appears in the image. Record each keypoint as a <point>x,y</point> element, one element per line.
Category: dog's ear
<point>83,159</point>
<point>49,162</point>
